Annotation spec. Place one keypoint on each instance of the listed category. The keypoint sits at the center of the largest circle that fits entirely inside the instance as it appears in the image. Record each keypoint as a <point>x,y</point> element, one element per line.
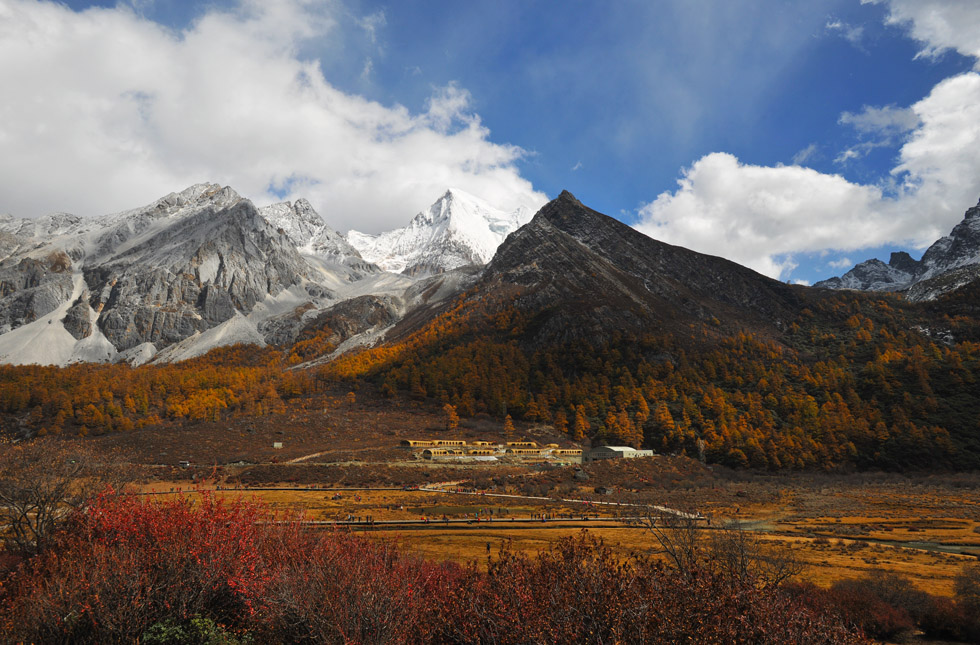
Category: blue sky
<point>805,135</point>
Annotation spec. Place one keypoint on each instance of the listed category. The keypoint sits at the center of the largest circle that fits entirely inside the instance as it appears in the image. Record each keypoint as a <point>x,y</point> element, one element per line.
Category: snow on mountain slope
<point>43,341</point>
<point>950,263</point>
<point>155,274</point>
<point>203,267</point>
<point>316,241</point>
<point>236,330</point>
<point>116,234</point>
<point>306,229</point>
<point>457,230</point>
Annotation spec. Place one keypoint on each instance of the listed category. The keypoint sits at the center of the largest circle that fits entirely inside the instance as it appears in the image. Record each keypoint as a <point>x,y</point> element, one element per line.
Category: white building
<point>616,452</point>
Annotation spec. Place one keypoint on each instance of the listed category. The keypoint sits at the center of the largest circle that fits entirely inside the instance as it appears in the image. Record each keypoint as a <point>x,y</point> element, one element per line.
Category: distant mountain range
<point>569,318</point>
<point>204,267</point>
<point>950,263</point>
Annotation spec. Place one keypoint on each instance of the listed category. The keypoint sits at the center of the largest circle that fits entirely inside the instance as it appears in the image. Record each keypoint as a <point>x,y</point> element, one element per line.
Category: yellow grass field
<point>836,546</point>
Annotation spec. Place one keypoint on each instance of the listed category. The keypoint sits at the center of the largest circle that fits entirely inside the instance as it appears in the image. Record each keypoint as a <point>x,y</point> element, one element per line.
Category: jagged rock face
<point>875,275</point>
<point>191,276</point>
<point>145,305</point>
<point>960,248</point>
<point>343,320</point>
<point>902,261</point>
<point>46,226</point>
<point>312,236</point>
<point>215,305</point>
<point>351,317</point>
<point>581,274</point>
<point>950,263</point>
<point>121,230</point>
<point>31,288</point>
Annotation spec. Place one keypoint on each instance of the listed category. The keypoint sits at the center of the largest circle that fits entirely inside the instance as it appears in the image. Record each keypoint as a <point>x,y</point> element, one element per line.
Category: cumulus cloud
<point>843,263</point>
<point>938,164</point>
<point>760,216</point>
<point>940,25</point>
<point>104,110</point>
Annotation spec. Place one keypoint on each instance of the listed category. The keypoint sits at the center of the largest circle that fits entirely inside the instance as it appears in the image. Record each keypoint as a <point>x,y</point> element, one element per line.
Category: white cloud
<point>758,215</point>
<point>938,164</point>
<point>879,127</point>
<point>103,110</point>
<point>373,23</point>
<point>882,121</point>
<point>367,69</point>
<point>761,215</point>
<point>860,150</point>
<point>843,263</point>
<point>854,152</point>
<point>802,282</point>
<point>940,25</point>
<point>805,154</point>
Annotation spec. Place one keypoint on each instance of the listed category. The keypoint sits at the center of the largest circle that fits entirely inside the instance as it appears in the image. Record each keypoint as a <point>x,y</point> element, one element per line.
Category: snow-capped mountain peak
<point>458,229</point>
<point>307,230</point>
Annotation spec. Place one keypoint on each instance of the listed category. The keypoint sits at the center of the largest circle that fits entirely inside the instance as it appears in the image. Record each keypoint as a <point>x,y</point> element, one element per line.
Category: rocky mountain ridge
<point>582,274</point>
<point>194,268</point>
<point>950,263</point>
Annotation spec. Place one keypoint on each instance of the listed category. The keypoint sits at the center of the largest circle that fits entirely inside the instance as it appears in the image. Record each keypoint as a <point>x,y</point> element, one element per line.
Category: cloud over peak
<point>104,110</point>
<point>761,216</point>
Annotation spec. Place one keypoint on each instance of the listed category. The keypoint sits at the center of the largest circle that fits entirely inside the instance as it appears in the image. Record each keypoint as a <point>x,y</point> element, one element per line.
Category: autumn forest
<point>854,381</point>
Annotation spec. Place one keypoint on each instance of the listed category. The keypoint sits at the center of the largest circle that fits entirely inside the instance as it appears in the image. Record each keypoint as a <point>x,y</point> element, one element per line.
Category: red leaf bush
<point>125,566</point>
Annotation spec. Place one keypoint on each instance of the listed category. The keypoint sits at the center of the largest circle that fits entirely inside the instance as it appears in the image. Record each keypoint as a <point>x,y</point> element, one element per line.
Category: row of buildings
<point>525,450</point>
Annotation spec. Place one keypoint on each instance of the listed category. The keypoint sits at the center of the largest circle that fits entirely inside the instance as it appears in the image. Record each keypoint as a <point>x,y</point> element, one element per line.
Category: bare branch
<point>42,482</point>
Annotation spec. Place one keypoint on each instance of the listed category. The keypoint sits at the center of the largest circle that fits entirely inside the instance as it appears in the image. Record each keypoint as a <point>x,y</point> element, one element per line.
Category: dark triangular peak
<point>572,253</point>
<point>639,253</point>
<point>572,216</point>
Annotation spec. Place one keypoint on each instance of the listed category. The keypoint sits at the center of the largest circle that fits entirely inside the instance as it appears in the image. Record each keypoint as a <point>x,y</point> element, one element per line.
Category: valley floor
<point>924,526</point>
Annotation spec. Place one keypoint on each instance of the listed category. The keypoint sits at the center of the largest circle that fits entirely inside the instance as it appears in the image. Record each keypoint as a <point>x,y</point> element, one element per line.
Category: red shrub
<point>859,604</point>
<point>339,588</point>
<point>578,592</point>
<point>125,564</point>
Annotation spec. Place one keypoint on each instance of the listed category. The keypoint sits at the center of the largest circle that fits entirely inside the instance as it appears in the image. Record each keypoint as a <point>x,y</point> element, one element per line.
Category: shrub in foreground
<point>887,607</point>
<point>218,572</point>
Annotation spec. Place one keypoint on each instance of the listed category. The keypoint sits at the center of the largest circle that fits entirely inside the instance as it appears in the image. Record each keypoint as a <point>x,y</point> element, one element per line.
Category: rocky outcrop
<point>949,264</point>
<point>31,288</point>
<point>351,317</point>
<point>78,319</point>
<point>191,276</point>
<point>875,275</point>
